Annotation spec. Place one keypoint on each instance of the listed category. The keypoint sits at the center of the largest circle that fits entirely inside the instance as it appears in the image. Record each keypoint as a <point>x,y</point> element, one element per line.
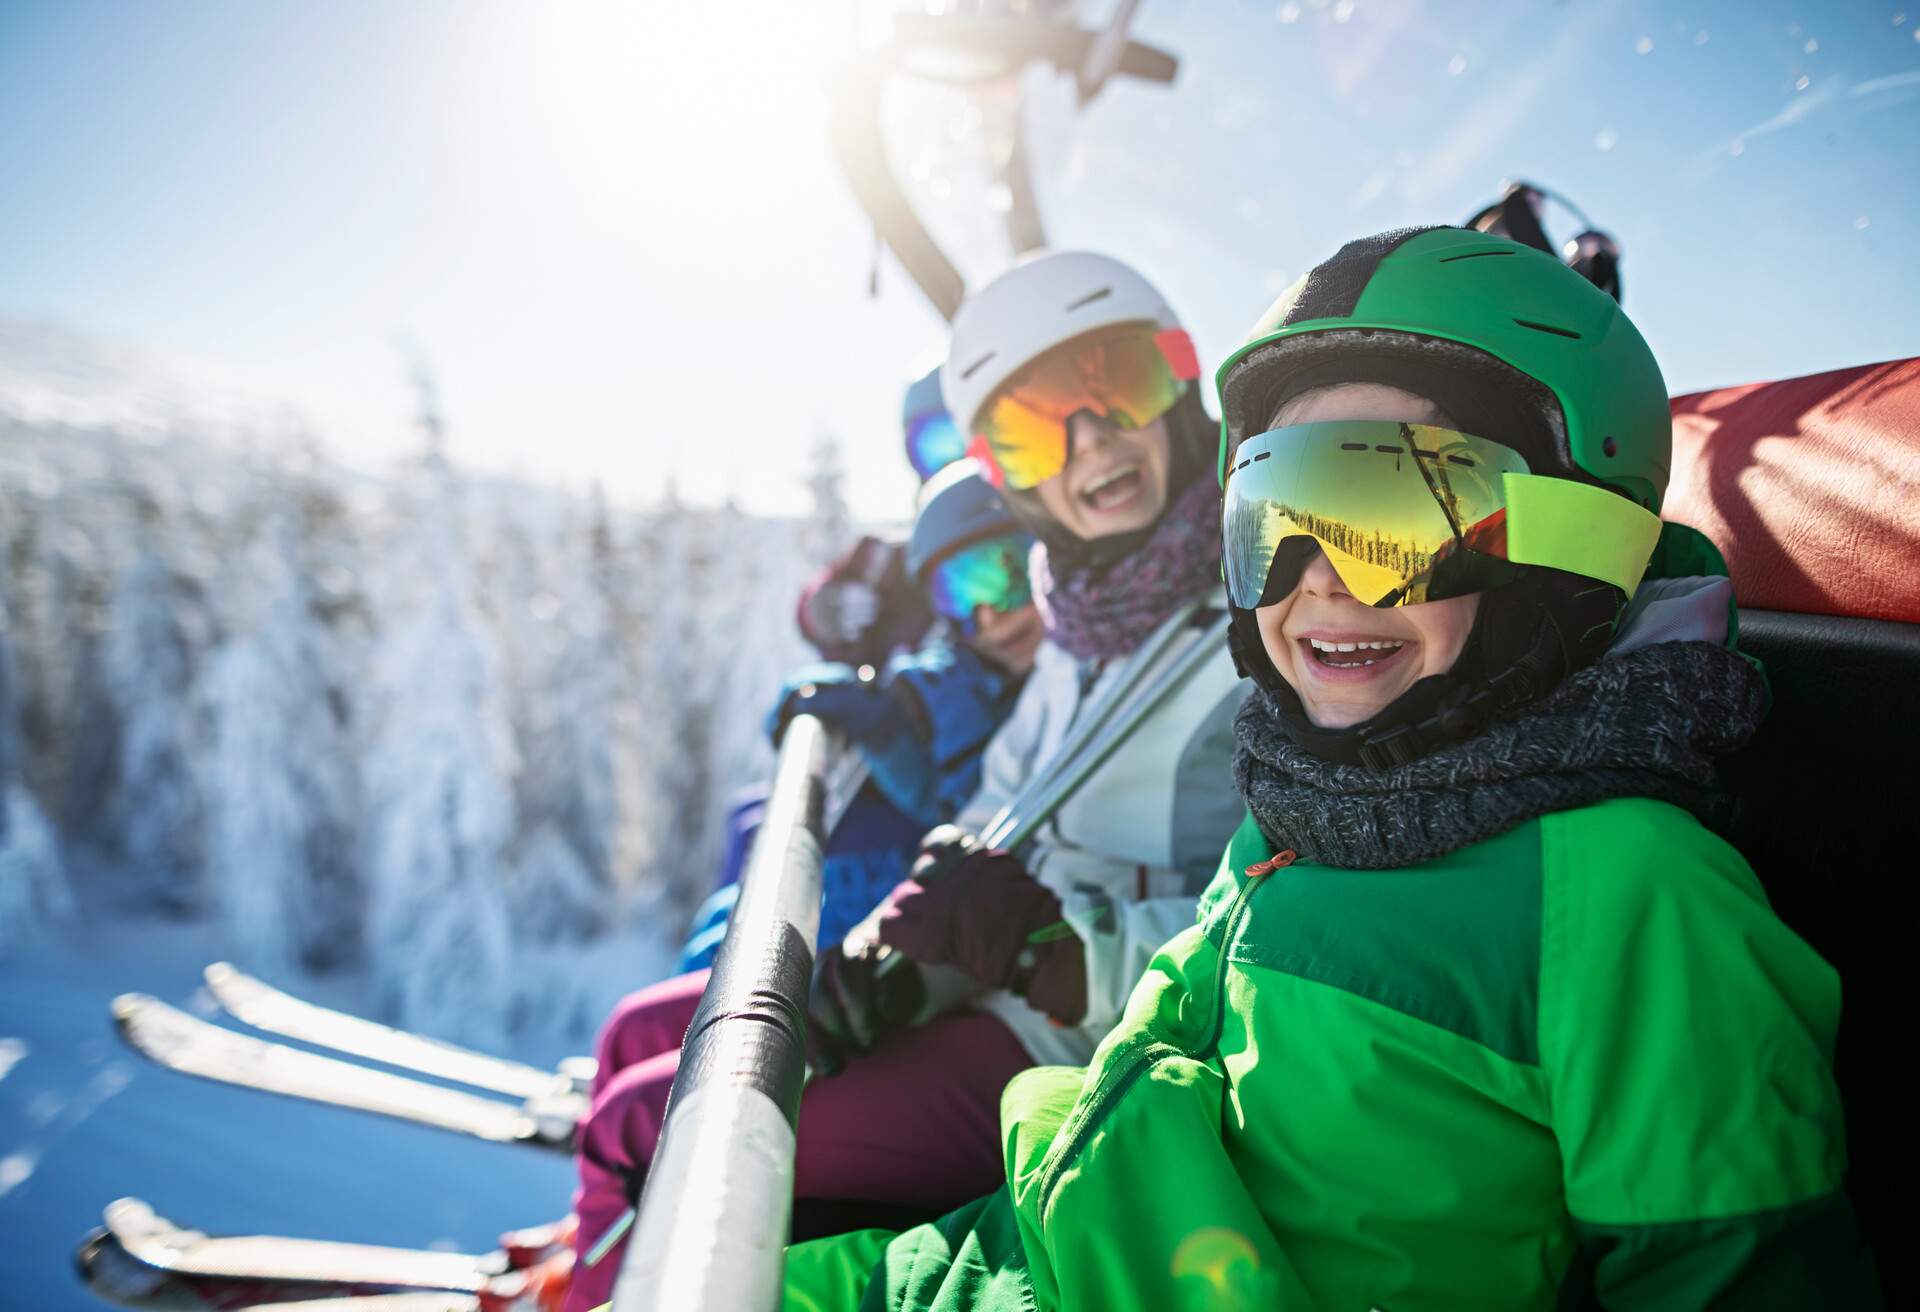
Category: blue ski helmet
<point>933,440</point>
<point>958,507</point>
<point>967,549</point>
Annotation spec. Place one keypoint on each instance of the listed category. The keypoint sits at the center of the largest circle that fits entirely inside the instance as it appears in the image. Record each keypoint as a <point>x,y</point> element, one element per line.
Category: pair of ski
<point>548,1104</point>
<point>139,1259</point>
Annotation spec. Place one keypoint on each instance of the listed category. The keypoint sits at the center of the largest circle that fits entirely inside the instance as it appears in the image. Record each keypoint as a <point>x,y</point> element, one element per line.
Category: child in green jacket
<point>1479,1013</point>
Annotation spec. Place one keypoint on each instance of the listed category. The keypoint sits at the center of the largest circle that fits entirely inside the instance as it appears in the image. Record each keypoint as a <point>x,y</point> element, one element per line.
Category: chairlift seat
<point>1811,488</point>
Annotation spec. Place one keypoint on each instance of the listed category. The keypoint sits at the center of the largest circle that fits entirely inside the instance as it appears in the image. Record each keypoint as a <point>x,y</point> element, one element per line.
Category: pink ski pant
<point>915,1122</point>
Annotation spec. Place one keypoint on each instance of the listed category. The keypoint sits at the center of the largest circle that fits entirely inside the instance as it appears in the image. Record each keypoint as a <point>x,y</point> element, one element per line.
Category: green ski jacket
<point>1581,1064</point>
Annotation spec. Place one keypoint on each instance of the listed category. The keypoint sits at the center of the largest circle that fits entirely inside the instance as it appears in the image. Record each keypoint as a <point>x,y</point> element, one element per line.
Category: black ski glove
<point>941,849</point>
<point>860,996</point>
<point>866,992</point>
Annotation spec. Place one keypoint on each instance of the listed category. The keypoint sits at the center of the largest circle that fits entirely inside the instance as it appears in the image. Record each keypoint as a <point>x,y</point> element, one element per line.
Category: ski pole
<point>711,1225</point>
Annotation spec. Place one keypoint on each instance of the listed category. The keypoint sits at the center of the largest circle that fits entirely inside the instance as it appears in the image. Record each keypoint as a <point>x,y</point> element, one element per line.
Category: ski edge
<point>165,1246</point>
<point>256,1003</point>
<point>185,1043</point>
<point>116,1276</point>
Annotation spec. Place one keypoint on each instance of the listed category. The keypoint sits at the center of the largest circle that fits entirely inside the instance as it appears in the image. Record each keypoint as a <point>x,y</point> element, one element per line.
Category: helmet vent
<point>1548,328</point>
<point>978,365</point>
<point>1474,255</point>
<point>1089,299</point>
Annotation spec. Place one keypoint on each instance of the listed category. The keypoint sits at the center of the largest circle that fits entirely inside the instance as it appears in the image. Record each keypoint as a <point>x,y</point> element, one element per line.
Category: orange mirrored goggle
<point>1129,376</point>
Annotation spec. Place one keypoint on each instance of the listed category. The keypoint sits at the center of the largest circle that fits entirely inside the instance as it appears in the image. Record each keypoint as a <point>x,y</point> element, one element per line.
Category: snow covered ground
<point>83,1120</point>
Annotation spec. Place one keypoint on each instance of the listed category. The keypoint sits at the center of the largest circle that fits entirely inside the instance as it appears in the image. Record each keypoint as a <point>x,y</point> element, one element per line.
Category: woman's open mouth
<point>1353,660</point>
<point>1114,491</point>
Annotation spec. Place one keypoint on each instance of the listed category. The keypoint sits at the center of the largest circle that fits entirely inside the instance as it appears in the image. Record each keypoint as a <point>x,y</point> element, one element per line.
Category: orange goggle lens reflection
<point>1128,376</point>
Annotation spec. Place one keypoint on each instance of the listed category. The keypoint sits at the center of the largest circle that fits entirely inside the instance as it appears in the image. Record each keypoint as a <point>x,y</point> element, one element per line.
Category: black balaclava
<point>1192,442</point>
<point>1529,633</point>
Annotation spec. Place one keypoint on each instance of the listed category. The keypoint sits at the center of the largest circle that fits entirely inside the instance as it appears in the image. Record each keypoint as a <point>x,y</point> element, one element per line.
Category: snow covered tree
<point>584,709</point>
<point>562,683</point>
<point>633,810</point>
<point>55,587</point>
<point>279,777</point>
<point>33,881</point>
<point>832,526</point>
<point>720,589</point>
<point>676,697</point>
<point>149,814</point>
<point>466,725</point>
<point>33,878</point>
<point>440,784</point>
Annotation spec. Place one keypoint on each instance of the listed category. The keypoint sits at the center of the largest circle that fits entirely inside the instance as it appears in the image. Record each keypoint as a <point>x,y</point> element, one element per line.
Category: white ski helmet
<point>1041,302</point>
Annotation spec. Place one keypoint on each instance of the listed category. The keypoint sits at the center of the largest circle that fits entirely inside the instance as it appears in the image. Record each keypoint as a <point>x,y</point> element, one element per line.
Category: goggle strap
<point>1177,348</point>
<point>1579,528</point>
<point>982,450</point>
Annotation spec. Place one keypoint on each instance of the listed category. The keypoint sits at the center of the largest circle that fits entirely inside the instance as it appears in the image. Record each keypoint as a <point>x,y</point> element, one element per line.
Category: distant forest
<point>411,724</point>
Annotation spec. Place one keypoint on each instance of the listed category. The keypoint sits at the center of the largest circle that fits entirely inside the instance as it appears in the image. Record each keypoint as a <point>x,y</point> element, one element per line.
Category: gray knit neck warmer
<point>1649,722</point>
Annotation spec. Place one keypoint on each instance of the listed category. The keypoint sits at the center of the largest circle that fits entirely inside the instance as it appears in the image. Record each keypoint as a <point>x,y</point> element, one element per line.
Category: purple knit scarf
<point>1099,613</point>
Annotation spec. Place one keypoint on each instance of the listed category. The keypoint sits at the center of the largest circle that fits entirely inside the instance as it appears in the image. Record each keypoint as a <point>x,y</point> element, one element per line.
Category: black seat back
<point>1829,818</point>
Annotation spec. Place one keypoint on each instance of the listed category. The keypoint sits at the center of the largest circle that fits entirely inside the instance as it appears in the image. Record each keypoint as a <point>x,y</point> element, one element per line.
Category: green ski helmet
<point>1518,349</point>
<point>1418,291</point>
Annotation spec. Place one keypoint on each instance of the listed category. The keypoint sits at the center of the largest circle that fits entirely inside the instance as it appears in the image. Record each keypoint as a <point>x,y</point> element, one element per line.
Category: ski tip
<point>123,1210</point>
<point>580,1071</point>
<point>218,973</point>
<point>145,1235</point>
<point>131,1221</point>
<point>129,1005</point>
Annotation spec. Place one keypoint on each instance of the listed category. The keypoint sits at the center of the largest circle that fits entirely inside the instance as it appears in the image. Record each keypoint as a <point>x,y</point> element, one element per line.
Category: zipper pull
<point>1278,861</point>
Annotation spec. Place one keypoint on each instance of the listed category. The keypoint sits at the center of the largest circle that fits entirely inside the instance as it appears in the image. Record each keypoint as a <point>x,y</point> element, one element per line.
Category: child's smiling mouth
<point>1351,659</point>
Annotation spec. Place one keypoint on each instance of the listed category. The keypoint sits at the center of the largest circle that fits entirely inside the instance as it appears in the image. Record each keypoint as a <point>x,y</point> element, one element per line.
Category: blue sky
<point>617,233</point>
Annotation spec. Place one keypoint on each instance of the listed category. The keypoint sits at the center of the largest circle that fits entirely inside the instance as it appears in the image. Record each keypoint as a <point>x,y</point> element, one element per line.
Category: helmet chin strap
<point>1527,637</point>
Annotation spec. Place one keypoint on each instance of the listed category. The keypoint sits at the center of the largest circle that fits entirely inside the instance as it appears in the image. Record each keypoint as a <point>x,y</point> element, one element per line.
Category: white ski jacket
<point>1130,852</point>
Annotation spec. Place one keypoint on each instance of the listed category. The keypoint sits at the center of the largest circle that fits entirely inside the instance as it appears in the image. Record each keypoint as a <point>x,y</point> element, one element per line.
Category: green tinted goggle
<point>1408,513</point>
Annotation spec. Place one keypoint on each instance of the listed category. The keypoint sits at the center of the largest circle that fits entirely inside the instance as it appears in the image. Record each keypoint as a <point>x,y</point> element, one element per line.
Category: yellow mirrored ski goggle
<point>1408,513</point>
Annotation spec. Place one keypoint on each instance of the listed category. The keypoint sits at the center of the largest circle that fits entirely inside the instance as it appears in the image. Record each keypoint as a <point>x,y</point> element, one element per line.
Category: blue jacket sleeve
<point>954,701</point>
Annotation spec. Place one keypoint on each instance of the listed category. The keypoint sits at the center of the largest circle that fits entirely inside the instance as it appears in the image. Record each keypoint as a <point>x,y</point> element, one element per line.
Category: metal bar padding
<point>713,1218</point>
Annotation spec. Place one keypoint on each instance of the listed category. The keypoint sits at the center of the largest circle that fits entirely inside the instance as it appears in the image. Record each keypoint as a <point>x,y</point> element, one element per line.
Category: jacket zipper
<point>1126,1071</point>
